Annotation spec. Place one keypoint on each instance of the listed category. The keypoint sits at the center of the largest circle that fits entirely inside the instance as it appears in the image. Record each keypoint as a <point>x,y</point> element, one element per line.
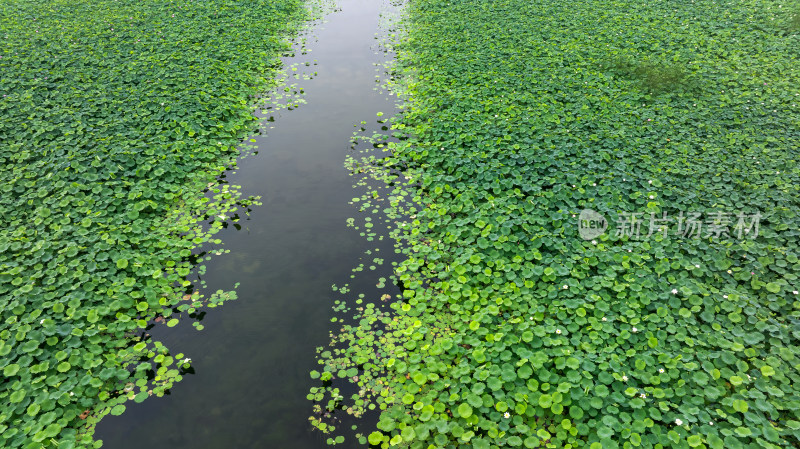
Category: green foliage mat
<point>515,331</point>
<point>116,119</point>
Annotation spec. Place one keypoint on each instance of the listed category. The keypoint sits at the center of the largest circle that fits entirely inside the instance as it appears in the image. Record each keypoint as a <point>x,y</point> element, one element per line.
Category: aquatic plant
<point>117,120</point>
<point>513,329</point>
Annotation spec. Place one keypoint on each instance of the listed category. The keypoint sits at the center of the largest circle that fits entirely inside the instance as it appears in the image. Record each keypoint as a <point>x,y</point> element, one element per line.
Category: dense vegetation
<point>512,330</point>
<point>116,120</point>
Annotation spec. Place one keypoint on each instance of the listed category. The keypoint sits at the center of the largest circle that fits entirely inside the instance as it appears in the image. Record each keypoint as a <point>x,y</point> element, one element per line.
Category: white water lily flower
<point>624,378</point>
<point>42,321</point>
<point>506,415</point>
<point>661,370</point>
<point>634,330</point>
<point>794,292</point>
<point>187,360</point>
<point>605,319</point>
<point>678,421</point>
<point>643,396</point>
<point>566,287</point>
<point>558,331</point>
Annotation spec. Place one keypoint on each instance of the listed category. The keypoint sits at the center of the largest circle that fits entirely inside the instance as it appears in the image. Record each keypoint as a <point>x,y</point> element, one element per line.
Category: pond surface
<point>252,359</point>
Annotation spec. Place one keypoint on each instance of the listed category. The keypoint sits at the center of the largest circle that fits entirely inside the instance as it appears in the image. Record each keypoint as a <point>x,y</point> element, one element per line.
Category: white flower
<point>697,265</point>
<point>558,331</point>
<point>678,421</point>
<point>565,287</point>
<point>730,272</point>
<point>187,360</point>
<point>794,292</point>
<point>652,197</point>
<point>649,182</point>
<point>506,415</point>
<point>725,296</point>
<point>624,378</point>
<point>634,330</point>
<point>594,242</point>
<point>605,319</point>
<point>42,321</point>
<point>71,393</point>
<point>674,291</point>
<point>642,395</point>
<point>711,423</point>
<point>661,370</point>
<point>531,318</point>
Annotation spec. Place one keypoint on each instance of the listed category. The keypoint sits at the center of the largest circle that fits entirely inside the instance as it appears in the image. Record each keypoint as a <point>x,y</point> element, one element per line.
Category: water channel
<point>251,362</point>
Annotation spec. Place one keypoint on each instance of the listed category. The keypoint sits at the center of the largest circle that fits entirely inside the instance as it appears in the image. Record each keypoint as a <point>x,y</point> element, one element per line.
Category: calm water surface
<point>252,359</point>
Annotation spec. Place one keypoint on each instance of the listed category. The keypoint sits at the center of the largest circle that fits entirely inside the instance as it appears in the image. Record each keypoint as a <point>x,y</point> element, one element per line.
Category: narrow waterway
<point>252,360</point>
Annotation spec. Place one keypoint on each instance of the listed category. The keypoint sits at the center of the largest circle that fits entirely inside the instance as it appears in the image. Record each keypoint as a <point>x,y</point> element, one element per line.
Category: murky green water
<point>252,359</point>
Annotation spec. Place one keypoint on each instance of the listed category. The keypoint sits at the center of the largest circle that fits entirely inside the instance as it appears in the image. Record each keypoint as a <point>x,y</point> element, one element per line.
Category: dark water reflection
<point>253,358</point>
